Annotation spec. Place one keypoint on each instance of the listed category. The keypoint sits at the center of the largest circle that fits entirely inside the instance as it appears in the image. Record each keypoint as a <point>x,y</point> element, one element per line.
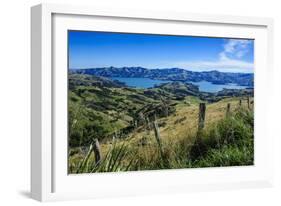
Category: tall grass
<point>117,158</point>
<point>229,142</point>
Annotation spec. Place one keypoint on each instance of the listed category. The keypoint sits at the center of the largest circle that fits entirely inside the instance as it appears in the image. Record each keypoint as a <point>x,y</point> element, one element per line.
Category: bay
<point>205,86</point>
<point>145,83</point>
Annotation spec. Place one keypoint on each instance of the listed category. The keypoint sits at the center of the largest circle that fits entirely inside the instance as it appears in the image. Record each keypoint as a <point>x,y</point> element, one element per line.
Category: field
<point>116,128</point>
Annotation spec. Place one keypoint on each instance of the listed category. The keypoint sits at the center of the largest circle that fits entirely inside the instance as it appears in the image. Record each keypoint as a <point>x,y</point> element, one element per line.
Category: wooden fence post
<point>158,137</point>
<point>240,102</point>
<point>201,116</point>
<point>248,102</point>
<point>155,117</point>
<point>157,133</point>
<point>147,123</point>
<point>97,151</point>
<point>228,109</point>
<point>199,145</point>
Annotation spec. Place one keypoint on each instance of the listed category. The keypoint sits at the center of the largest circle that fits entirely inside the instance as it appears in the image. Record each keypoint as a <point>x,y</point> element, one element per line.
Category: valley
<point>157,127</point>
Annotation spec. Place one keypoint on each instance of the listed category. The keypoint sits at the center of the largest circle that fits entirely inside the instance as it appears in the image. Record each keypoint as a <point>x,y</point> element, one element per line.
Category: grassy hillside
<point>123,120</point>
<point>100,108</point>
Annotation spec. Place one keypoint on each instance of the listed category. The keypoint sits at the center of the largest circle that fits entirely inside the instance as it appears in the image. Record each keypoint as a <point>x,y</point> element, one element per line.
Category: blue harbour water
<point>204,86</point>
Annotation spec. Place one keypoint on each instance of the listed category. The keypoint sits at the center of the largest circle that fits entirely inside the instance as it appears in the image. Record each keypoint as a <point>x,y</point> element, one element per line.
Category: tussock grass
<point>227,142</point>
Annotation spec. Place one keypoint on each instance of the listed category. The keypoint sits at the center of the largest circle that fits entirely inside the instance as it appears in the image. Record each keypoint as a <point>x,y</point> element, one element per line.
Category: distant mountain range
<point>172,74</point>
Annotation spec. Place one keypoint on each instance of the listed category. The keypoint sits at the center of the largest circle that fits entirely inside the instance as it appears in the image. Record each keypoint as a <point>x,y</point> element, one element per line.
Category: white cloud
<point>227,65</point>
<point>235,48</point>
<point>229,60</point>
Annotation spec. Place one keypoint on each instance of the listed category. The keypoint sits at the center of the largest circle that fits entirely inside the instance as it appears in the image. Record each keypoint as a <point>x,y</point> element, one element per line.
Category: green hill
<point>122,119</point>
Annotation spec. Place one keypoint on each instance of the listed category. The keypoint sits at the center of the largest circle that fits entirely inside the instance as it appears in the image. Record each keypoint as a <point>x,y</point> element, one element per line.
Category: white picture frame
<point>49,178</point>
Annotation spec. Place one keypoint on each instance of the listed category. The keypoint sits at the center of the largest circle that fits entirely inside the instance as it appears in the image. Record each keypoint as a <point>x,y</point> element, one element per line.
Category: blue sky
<point>104,49</point>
